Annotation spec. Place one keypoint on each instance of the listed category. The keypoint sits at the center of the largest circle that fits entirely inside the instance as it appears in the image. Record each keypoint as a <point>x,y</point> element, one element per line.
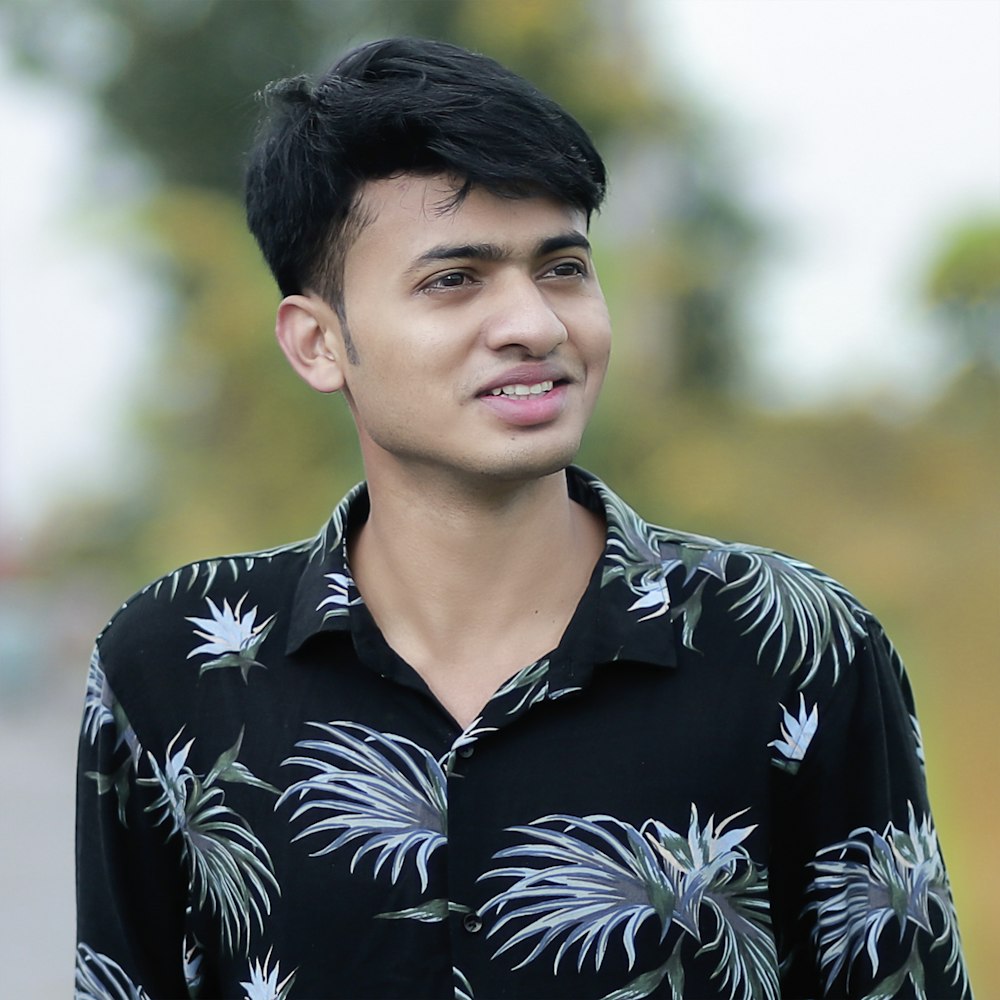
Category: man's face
<point>481,333</point>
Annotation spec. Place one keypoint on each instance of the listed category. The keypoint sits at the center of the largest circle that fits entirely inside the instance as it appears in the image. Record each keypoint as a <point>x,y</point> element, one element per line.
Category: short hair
<point>401,105</point>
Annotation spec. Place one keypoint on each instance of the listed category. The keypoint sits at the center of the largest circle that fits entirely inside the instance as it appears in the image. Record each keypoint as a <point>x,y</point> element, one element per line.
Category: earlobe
<point>307,331</point>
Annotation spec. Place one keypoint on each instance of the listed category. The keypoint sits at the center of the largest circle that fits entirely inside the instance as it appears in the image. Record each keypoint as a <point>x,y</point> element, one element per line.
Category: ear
<point>308,331</point>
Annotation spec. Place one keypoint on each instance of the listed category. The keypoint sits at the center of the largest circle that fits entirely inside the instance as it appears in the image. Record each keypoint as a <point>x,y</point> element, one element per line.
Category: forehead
<point>404,214</point>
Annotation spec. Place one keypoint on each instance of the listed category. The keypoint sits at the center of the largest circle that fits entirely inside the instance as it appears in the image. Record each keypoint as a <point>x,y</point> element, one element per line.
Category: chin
<point>529,464</point>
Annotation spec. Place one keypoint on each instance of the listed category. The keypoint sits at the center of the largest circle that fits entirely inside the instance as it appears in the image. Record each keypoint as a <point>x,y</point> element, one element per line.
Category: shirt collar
<point>623,616</point>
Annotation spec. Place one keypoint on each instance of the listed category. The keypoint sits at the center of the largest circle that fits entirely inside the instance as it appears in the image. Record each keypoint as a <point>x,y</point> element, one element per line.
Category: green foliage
<point>967,265</point>
<point>963,283</point>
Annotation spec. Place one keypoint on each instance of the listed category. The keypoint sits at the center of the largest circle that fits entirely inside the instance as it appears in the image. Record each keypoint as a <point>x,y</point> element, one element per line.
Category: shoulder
<point>739,602</point>
<point>797,620</point>
<point>221,601</point>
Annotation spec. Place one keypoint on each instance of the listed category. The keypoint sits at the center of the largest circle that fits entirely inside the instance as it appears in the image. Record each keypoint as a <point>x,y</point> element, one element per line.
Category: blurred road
<point>38,734</point>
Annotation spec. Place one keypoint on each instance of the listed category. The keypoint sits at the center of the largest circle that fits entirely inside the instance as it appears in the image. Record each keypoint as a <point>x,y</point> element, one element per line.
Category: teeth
<point>520,389</point>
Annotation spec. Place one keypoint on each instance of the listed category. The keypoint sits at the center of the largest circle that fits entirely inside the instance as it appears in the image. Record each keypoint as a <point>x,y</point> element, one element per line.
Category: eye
<point>451,279</point>
<point>568,269</point>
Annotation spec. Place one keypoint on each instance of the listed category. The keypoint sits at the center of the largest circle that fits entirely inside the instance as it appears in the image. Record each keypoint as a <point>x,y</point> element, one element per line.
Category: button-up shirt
<point>712,787</point>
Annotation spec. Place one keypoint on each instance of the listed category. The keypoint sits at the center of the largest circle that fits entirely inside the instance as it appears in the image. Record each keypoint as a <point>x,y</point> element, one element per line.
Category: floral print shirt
<point>713,787</point>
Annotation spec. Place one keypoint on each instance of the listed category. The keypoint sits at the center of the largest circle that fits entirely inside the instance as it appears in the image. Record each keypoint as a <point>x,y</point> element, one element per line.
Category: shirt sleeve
<point>130,877</point>
<point>866,908</point>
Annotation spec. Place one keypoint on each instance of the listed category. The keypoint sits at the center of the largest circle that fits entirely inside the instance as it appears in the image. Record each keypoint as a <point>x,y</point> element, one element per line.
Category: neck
<point>458,577</point>
<point>444,552</point>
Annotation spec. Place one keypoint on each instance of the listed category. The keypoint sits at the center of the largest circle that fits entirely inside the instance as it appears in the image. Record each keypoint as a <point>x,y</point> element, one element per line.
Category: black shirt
<point>712,787</point>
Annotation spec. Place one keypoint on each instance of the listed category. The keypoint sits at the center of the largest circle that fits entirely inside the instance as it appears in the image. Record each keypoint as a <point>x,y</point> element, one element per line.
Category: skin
<point>473,558</point>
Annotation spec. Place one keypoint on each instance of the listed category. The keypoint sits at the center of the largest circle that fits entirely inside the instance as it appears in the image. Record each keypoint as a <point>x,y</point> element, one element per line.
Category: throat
<point>468,601</point>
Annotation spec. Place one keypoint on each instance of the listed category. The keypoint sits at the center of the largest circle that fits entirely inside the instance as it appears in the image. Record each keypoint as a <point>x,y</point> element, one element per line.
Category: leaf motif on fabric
<point>800,615</point>
<point>99,977</point>
<point>380,791</point>
<point>873,880</point>
<point>431,912</point>
<point>797,732</point>
<point>264,984</point>
<point>229,868</point>
<point>463,988</point>
<point>339,601</point>
<point>587,881</point>
<point>231,637</point>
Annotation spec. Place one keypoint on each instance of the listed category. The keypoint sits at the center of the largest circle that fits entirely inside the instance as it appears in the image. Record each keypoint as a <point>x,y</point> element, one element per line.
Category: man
<point>489,734</point>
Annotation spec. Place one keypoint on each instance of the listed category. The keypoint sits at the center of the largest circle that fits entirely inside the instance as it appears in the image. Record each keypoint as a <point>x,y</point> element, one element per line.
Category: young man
<point>489,734</point>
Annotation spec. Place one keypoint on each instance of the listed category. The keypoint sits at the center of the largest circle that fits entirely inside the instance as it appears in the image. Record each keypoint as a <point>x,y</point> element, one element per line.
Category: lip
<point>526,375</point>
<point>530,411</point>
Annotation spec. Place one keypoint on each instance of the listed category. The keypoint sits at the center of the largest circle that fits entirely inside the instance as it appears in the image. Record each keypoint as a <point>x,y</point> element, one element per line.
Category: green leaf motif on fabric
<point>207,571</point>
<point>643,986</point>
<point>586,879</point>
<point>229,867</point>
<point>800,615</point>
<point>467,738</point>
<point>233,638</point>
<point>872,880</point>
<point>805,614</point>
<point>99,977</point>
<point>431,912</point>
<point>531,681</point>
<point>339,601</point>
<point>102,708</point>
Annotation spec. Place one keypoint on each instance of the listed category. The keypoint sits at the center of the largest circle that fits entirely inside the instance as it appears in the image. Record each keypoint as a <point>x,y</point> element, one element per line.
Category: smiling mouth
<point>521,390</point>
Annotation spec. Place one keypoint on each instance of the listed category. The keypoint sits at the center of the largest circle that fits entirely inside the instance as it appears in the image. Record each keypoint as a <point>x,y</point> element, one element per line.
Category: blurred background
<point>801,251</point>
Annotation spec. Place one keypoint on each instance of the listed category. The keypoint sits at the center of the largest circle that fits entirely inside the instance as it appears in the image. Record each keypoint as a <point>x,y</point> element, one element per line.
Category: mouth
<point>527,403</point>
<point>523,390</point>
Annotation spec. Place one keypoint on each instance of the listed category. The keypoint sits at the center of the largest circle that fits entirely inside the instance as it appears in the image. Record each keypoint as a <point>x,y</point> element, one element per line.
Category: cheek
<point>595,329</point>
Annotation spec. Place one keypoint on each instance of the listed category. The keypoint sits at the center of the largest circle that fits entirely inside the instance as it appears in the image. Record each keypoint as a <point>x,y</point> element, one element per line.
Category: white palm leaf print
<point>644,556</point>
<point>264,984</point>
<point>192,956</point>
<point>207,571</point>
<point>896,877</point>
<point>797,733</point>
<point>101,708</point>
<point>801,612</point>
<point>99,977</point>
<point>378,789</point>
<point>718,875</point>
<point>533,683</point>
<point>232,638</point>
<point>748,959</point>
<point>230,868</point>
<point>463,988</point>
<point>793,603</point>
<point>587,891</point>
<point>339,600</point>
<point>603,878</point>
<point>97,700</point>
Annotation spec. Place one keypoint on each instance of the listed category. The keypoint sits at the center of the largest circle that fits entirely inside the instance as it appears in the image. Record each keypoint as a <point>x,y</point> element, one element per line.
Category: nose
<point>520,315</point>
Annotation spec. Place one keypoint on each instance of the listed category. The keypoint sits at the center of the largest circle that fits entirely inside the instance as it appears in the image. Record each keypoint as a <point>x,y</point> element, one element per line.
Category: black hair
<point>401,105</point>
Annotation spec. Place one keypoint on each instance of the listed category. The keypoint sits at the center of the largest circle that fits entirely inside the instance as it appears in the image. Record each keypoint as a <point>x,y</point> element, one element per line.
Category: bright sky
<point>860,128</point>
<point>864,128</point>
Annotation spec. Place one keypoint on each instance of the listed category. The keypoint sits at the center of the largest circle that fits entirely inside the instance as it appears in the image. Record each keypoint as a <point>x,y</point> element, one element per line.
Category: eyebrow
<point>493,252</point>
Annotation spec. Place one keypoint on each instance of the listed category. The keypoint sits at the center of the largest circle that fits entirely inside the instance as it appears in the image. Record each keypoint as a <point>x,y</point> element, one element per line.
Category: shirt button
<point>472,922</point>
<point>466,751</point>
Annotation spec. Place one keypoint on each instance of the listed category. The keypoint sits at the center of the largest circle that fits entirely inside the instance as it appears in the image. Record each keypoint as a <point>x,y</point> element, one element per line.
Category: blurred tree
<point>963,284</point>
<point>175,80</point>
